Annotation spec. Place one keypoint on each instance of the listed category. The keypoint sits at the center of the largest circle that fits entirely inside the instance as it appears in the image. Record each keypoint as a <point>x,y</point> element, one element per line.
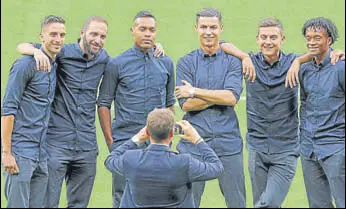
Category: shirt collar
<point>204,55</point>
<point>140,53</point>
<point>276,63</point>
<point>325,61</point>
<point>159,147</point>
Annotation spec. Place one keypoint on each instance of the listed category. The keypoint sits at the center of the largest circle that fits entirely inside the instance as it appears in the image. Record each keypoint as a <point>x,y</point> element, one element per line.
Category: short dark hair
<point>322,23</point>
<point>160,124</point>
<point>209,12</point>
<point>51,19</point>
<point>144,13</point>
<point>91,19</point>
<point>271,22</point>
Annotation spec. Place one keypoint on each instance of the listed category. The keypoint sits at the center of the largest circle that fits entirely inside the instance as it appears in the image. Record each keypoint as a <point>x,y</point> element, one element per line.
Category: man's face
<point>53,37</point>
<point>269,40</point>
<point>144,32</point>
<point>94,37</point>
<point>209,31</point>
<point>317,41</point>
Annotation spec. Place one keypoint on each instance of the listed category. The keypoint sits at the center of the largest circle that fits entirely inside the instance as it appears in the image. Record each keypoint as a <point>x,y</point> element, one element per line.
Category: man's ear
<point>171,134</point>
<point>41,37</point>
<point>147,132</point>
<point>329,40</point>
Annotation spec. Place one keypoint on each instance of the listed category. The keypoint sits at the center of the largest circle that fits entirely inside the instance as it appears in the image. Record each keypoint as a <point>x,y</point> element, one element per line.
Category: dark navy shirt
<point>322,110</point>
<point>272,109</point>
<point>72,122</point>
<point>28,97</point>
<point>217,124</point>
<point>137,83</point>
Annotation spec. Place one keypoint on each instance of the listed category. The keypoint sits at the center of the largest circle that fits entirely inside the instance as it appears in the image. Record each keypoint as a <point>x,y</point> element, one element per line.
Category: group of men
<point>47,138</point>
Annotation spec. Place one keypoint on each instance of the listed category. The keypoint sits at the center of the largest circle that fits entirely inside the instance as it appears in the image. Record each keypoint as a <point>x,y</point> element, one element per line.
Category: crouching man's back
<point>157,176</point>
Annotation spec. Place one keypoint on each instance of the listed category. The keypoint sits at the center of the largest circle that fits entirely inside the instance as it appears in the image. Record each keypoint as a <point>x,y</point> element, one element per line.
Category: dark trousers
<point>27,189</point>
<point>271,177</point>
<point>78,168</point>
<point>325,180</point>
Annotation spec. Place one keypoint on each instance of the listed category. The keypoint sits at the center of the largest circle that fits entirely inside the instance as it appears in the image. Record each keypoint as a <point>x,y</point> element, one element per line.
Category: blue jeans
<point>325,180</point>
<point>271,177</point>
<point>78,168</point>
<point>27,189</point>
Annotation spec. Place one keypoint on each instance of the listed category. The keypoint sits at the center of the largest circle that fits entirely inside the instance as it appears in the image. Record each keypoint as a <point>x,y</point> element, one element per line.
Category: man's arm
<point>106,125</point>
<point>188,104</point>
<point>8,161</point>
<point>292,74</point>
<point>106,96</point>
<point>42,61</point>
<point>170,99</point>
<point>248,67</point>
<point>114,161</point>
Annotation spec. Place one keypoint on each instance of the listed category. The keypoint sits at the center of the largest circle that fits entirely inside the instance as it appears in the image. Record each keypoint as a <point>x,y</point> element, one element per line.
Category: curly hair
<point>322,23</point>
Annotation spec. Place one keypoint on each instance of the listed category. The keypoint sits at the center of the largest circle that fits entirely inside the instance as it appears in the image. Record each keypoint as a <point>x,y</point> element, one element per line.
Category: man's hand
<point>183,91</point>
<point>335,55</point>
<point>158,50</point>
<point>248,69</point>
<point>42,61</point>
<point>190,132</point>
<point>9,163</point>
<point>292,74</point>
<point>143,134</point>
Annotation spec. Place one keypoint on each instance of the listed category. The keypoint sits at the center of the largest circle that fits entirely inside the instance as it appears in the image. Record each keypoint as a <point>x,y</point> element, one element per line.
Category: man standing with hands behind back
<point>209,84</point>
<point>137,82</point>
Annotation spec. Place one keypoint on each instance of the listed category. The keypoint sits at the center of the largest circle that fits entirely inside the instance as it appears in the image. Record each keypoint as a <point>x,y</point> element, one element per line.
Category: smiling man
<point>322,117</point>
<point>209,84</point>
<point>24,121</point>
<point>137,82</point>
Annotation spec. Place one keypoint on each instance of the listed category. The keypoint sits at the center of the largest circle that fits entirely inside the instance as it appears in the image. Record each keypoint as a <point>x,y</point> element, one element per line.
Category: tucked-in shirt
<point>272,109</point>
<point>28,97</point>
<point>72,122</point>
<point>217,124</point>
<point>137,82</point>
<point>322,110</point>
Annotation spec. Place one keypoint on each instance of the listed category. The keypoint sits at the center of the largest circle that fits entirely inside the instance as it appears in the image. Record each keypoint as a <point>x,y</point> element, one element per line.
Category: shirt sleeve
<point>19,76</point>
<point>109,85</point>
<point>208,168</point>
<point>183,73</point>
<point>234,78</point>
<point>115,160</point>
<point>342,76</point>
<point>170,99</point>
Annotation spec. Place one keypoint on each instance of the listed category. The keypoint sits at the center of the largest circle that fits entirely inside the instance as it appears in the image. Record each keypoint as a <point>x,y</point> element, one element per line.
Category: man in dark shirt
<point>157,176</point>
<point>322,117</point>
<point>272,117</point>
<point>24,121</point>
<point>137,82</point>
<point>71,137</point>
<point>209,84</point>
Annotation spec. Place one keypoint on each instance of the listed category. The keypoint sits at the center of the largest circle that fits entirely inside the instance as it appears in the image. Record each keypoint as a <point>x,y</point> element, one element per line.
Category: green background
<point>20,22</point>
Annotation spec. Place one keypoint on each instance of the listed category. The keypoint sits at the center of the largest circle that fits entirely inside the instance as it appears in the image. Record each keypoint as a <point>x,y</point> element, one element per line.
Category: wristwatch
<point>192,92</point>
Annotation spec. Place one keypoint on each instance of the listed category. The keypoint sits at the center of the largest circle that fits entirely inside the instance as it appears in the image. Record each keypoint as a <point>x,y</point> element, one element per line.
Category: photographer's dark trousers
<point>271,176</point>
<point>26,189</point>
<point>78,168</point>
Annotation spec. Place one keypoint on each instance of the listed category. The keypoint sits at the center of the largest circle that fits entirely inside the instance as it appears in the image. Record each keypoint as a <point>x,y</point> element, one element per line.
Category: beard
<point>87,48</point>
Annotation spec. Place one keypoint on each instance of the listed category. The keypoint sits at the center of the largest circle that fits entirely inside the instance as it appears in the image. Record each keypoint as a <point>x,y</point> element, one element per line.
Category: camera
<point>177,129</point>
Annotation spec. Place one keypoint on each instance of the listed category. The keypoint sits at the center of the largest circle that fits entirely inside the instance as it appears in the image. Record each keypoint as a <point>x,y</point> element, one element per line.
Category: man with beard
<point>137,82</point>
<point>24,119</point>
<point>71,137</point>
